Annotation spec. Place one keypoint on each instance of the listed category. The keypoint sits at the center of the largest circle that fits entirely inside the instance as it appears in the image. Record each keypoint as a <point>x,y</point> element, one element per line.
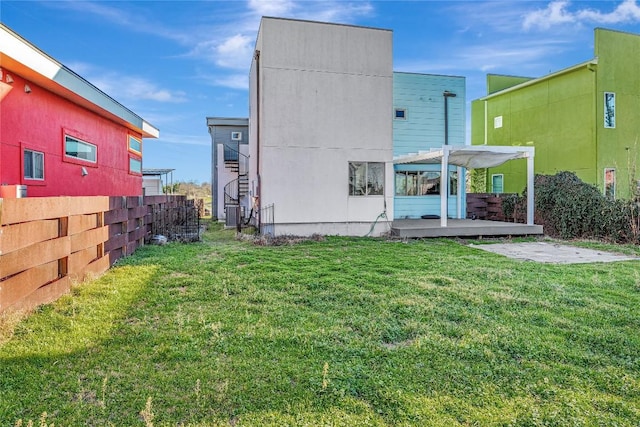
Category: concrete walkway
<point>552,253</point>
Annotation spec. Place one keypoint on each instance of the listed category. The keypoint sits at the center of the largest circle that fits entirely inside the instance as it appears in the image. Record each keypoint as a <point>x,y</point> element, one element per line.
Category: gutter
<point>588,64</point>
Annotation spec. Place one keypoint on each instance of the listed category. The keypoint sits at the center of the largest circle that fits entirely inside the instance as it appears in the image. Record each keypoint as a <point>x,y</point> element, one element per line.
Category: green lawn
<point>340,332</point>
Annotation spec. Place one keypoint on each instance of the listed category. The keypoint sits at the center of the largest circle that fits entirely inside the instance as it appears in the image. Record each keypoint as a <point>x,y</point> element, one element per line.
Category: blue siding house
<point>428,112</point>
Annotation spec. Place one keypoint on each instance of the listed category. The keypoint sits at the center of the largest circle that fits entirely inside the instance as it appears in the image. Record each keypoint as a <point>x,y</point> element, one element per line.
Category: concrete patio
<point>417,228</point>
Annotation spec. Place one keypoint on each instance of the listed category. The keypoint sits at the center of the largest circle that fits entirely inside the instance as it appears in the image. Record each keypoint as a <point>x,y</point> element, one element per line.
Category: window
<point>135,145</point>
<point>236,136</point>
<point>497,122</point>
<point>417,183</point>
<point>33,165</point>
<point>135,165</point>
<point>610,183</point>
<point>400,114</point>
<point>79,149</point>
<point>497,183</point>
<point>366,178</point>
<point>609,110</point>
<point>453,183</point>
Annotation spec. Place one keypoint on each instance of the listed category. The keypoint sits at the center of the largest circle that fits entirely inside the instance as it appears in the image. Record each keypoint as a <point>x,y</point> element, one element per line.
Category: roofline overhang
<point>19,56</point>
<point>587,64</point>
<point>227,121</point>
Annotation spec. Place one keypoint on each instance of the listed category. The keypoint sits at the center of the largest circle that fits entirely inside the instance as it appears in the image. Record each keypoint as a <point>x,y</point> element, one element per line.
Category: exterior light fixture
<point>27,89</point>
<point>9,79</point>
<point>84,171</point>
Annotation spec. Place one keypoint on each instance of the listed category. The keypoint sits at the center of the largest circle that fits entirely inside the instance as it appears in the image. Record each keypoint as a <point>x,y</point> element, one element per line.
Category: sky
<point>174,63</point>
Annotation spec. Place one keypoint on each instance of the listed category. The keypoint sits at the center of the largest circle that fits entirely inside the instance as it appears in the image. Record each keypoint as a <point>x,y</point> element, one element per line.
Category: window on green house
<point>609,110</point>
<point>610,183</point>
<point>497,183</point>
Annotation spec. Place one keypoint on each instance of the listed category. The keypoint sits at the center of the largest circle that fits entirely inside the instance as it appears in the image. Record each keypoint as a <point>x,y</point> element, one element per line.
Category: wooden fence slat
<point>118,241</point>
<point>34,255</point>
<point>32,209</point>
<point>45,294</point>
<point>89,238</point>
<point>95,268</point>
<point>88,204</point>
<point>18,287</point>
<point>115,216</point>
<point>79,260</point>
<point>80,223</point>
<point>18,236</point>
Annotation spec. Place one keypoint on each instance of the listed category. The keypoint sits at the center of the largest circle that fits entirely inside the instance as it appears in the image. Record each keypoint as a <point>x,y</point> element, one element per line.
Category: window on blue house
<point>400,114</point>
<point>453,183</point>
<point>417,183</point>
<point>366,178</point>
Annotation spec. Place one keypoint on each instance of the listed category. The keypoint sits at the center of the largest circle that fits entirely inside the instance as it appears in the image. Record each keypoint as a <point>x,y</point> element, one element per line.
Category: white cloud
<point>271,7</point>
<point>176,138</point>
<point>126,88</point>
<point>233,81</point>
<point>232,52</point>
<point>558,13</point>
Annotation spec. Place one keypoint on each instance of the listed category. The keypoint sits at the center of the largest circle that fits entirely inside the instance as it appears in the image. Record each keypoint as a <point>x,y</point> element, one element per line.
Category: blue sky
<point>176,62</point>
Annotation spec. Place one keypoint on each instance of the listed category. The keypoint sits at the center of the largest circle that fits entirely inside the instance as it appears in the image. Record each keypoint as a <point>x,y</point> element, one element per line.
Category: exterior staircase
<point>236,189</point>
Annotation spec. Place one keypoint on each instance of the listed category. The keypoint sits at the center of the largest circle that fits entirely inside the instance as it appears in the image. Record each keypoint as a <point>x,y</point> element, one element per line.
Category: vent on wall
<point>236,136</point>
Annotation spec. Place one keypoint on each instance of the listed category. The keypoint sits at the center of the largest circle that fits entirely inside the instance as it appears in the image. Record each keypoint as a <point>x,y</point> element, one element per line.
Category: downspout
<point>258,98</point>
<point>214,175</point>
<point>444,176</point>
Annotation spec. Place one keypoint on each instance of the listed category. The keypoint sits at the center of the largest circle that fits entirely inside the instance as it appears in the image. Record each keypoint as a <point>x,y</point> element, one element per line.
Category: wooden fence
<point>47,243</point>
<point>490,207</point>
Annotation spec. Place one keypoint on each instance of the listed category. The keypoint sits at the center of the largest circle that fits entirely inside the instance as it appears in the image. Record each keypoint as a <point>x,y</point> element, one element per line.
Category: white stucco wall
<point>152,186</point>
<point>325,100</point>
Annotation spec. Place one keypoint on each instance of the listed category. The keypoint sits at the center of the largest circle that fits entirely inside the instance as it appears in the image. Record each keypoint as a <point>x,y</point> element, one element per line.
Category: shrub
<point>569,208</point>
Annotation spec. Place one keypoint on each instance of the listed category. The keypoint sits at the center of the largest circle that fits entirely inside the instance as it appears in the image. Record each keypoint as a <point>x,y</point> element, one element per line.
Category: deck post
<point>444,185</point>
<point>530,183</point>
<point>461,215</point>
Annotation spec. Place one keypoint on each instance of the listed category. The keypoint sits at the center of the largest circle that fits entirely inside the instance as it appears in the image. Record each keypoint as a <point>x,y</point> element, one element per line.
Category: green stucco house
<point>584,119</point>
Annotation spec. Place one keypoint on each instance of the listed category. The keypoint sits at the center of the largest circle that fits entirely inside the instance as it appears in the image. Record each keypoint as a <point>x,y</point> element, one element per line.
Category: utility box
<point>13,191</point>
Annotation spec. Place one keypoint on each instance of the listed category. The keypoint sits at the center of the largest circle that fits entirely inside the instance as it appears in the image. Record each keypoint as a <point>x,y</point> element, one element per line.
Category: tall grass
<point>339,332</point>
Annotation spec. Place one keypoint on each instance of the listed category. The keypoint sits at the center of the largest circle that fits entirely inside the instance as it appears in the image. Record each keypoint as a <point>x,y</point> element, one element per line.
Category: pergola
<point>472,157</point>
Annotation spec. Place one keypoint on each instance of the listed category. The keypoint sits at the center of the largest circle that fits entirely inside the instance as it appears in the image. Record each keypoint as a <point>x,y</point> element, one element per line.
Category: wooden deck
<point>416,228</point>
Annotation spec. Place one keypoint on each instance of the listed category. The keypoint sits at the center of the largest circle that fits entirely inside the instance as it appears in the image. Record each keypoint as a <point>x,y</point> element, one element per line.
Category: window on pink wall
<point>77,149</point>
<point>135,166</point>
<point>33,165</point>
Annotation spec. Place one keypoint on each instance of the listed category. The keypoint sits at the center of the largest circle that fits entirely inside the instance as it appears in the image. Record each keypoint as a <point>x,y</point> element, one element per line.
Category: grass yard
<point>341,332</point>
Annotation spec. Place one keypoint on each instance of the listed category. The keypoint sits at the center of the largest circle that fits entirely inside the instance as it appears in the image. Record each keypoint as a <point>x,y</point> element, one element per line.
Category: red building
<point>59,134</point>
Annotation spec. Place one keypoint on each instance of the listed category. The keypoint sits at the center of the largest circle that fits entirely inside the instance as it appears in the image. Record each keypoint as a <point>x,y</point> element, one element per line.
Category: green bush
<point>569,208</point>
